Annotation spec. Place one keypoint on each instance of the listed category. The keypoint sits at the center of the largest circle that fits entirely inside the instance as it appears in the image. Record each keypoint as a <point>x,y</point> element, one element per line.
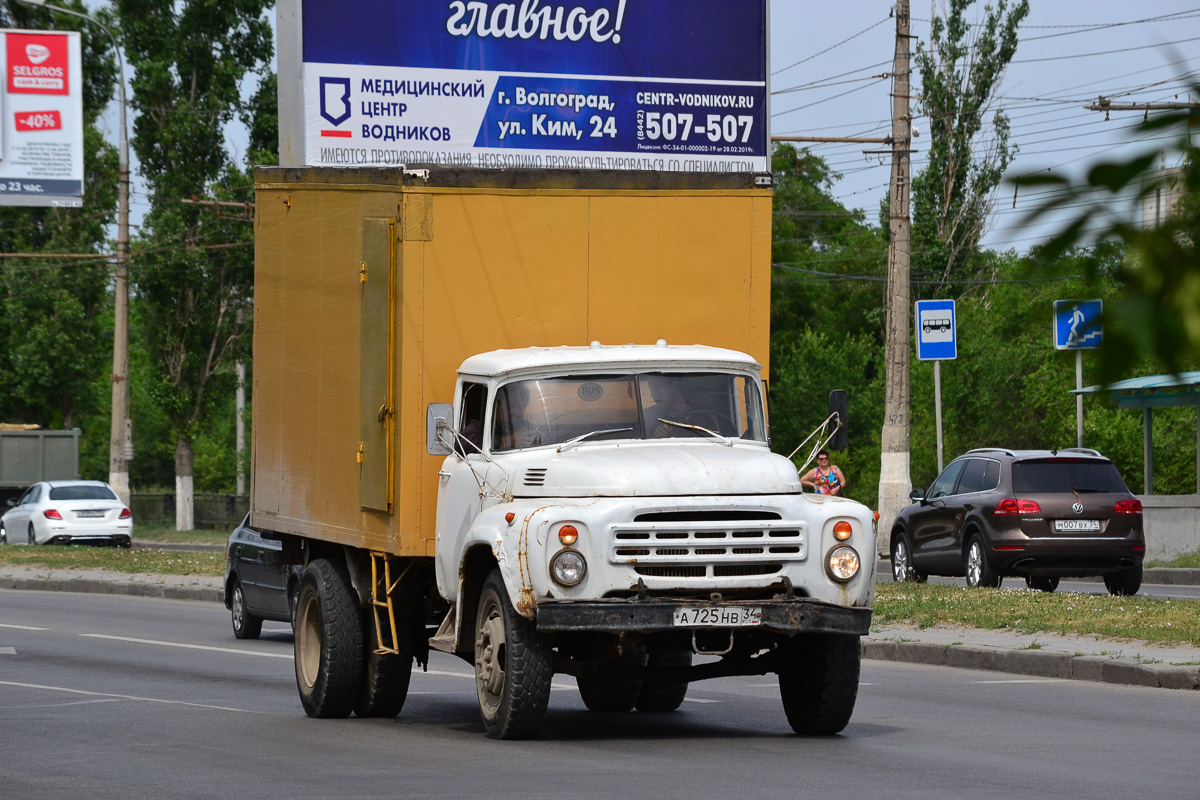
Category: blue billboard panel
<point>607,84</point>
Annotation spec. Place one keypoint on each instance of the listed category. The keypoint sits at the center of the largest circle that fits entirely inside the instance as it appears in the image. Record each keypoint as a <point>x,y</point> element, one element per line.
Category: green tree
<point>952,196</point>
<point>193,268</point>
<point>55,313</point>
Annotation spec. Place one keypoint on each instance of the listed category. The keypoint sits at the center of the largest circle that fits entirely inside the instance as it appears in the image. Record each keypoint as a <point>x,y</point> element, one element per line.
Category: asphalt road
<point>114,696</point>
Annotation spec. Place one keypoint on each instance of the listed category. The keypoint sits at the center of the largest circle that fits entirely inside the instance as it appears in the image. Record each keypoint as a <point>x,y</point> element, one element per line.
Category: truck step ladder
<point>383,607</point>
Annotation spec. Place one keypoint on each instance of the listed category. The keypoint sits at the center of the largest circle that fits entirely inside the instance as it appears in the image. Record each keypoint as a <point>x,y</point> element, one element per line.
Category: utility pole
<point>894,481</point>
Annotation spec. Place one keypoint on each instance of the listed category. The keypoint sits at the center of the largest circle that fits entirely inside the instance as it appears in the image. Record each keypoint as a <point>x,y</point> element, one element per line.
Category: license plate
<point>89,514</point>
<point>717,616</point>
<point>1076,524</point>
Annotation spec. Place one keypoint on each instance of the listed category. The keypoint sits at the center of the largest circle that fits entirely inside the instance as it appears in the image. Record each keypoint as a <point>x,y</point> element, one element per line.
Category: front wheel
<point>329,640</point>
<point>3,534</point>
<point>512,666</point>
<point>818,681</point>
<point>245,624</point>
<point>978,568</point>
<point>902,563</point>
<point>1125,583</point>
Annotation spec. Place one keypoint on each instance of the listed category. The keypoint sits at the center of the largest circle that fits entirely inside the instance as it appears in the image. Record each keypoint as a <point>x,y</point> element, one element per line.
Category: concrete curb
<point>98,586</point>
<point>1038,663</point>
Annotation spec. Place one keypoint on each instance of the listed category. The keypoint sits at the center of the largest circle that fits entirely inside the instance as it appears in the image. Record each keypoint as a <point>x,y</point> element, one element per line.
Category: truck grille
<point>708,544</point>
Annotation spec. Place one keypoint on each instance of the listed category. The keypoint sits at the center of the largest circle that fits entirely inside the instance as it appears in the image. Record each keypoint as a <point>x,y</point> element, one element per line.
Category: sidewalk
<point>1042,655</point>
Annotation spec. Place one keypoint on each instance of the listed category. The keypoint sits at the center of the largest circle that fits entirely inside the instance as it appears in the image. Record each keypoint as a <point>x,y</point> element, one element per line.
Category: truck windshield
<point>647,405</point>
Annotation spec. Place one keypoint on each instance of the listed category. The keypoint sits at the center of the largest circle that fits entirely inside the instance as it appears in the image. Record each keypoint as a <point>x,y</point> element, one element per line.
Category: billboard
<point>578,84</point>
<point>41,131</point>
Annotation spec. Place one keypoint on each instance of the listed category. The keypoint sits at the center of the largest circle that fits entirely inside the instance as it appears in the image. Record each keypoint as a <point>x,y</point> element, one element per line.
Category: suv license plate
<point>717,616</point>
<point>1076,524</point>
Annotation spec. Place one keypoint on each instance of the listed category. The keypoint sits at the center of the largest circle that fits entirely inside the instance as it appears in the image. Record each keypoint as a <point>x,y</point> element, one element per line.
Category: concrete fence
<point>1172,525</point>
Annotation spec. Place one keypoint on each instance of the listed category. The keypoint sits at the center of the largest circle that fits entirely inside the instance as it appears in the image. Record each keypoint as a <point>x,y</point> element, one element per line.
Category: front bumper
<point>799,615</point>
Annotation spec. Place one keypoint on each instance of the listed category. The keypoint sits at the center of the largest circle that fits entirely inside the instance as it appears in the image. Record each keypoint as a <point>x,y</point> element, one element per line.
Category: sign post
<point>1077,327</point>
<point>936,341</point>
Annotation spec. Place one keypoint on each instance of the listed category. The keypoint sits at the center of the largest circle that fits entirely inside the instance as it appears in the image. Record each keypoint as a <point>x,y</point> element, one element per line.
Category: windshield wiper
<point>588,435</point>
<point>724,439</point>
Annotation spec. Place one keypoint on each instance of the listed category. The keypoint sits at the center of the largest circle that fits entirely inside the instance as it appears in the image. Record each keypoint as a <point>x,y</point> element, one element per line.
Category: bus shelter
<point>1157,391</point>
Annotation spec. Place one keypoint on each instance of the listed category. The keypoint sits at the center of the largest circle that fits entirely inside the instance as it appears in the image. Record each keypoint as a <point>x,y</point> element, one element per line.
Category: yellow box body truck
<point>519,416</point>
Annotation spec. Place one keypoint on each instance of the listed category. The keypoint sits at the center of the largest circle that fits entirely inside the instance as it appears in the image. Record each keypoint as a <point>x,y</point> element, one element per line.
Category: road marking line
<point>1025,680</point>
<point>23,627</point>
<point>122,696</point>
<point>188,646</point>
<point>700,700</point>
<point>72,703</point>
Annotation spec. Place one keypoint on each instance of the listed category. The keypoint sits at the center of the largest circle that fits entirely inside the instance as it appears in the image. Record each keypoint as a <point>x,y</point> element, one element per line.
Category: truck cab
<point>627,501</point>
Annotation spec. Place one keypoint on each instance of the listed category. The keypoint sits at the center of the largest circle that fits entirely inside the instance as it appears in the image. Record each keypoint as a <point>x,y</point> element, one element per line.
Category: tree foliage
<point>55,318</point>
<point>951,197</point>
<point>193,270</point>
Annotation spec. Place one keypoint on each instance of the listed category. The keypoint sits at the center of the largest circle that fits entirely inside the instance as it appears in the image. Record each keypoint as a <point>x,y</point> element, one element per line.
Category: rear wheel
<point>902,564</point>
<point>612,690</point>
<point>818,681</point>
<point>512,666</point>
<point>664,695</point>
<point>1041,583</point>
<point>245,624</point>
<point>1125,583</point>
<point>978,568</point>
<point>385,676</point>
<point>32,536</point>
<point>329,640</point>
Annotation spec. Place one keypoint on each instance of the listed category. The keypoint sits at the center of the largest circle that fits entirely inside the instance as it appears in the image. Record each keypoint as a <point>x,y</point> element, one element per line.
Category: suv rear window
<point>81,493</point>
<point>1064,475</point>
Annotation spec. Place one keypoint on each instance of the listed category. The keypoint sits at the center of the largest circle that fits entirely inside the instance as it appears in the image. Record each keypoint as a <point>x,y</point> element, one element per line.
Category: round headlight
<point>568,567</point>
<point>842,563</point>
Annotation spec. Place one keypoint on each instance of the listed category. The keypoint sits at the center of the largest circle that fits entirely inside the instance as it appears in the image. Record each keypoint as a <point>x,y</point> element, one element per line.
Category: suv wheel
<point>978,568</point>
<point>902,564</point>
<point>1042,583</point>
<point>1125,583</point>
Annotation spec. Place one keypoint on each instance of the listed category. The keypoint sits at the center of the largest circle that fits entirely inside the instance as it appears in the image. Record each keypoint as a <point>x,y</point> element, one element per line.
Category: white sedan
<point>68,512</point>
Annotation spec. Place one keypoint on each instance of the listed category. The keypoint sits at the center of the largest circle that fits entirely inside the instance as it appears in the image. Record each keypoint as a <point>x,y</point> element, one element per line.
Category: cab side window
<point>972,476</point>
<point>944,485</point>
<point>470,424</point>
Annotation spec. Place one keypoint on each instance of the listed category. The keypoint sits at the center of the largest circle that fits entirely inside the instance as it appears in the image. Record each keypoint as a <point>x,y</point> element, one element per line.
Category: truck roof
<point>499,362</point>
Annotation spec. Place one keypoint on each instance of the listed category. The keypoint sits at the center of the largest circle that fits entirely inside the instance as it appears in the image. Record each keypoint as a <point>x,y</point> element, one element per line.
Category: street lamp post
<point>120,444</point>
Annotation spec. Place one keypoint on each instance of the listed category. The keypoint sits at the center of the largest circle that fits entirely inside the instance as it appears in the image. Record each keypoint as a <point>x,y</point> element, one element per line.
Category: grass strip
<point>154,562</point>
<point>1163,620</point>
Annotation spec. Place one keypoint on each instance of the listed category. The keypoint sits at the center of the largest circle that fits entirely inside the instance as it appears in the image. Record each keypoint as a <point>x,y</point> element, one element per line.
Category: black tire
<point>902,563</point>
<point>3,534</point>
<point>31,536</point>
<point>1041,583</point>
<point>329,641</point>
<point>1125,583</point>
<point>977,567</point>
<point>385,676</point>
<point>513,666</point>
<point>613,692</point>
<point>660,695</point>
<point>818,681</point>
<point>245,624</point>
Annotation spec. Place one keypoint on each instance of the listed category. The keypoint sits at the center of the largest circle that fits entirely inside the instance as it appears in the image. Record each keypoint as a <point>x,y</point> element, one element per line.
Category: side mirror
<point>11,502</point>
<point>917,494</point>
<point>839,403</point>
<point>437,437</point>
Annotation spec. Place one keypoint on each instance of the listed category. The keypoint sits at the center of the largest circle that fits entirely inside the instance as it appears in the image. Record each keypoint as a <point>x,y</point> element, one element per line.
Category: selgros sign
<point>41,133</point>
<point>587,84</point>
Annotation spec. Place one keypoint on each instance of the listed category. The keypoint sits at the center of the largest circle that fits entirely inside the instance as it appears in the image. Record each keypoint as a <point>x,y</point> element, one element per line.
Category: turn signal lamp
<point>568,535</point>
<point>1015,507</point>
<point>50,513</point>
<point>842,530</point>
<point>509,517</point>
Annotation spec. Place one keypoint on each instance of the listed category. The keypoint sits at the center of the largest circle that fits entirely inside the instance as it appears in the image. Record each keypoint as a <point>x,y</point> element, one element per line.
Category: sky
<point>826,59</point>
<point>825,56</point>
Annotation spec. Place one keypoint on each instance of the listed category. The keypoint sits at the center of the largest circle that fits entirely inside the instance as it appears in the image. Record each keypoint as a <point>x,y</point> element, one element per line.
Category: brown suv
<point>1040,514</point>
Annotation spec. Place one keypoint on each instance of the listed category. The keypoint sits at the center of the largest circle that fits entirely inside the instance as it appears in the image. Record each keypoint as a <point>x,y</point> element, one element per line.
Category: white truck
<point>612,512</point>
